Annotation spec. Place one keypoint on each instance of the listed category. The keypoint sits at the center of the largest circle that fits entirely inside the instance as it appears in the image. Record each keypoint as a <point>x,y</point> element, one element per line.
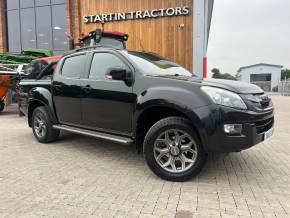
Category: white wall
<point>262,69</point>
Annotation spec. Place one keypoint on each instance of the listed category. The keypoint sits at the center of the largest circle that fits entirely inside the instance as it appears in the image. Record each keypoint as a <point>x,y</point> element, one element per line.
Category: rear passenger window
<point>73,66</point>
<point>101,64</point>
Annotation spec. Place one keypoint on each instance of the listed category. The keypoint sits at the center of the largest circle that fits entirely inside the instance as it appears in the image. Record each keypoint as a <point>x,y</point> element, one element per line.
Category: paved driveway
<point>84,177</point>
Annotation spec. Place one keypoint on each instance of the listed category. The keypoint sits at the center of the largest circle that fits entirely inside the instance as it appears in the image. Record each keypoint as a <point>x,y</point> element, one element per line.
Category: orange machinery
<point>5,83</point>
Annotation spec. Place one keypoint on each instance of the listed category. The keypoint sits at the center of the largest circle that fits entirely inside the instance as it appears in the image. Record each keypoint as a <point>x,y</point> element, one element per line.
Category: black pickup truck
<point>140,98</point>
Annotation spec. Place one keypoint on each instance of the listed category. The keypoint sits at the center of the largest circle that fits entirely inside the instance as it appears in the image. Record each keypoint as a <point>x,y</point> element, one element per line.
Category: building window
<point>36,24</point>
<point>42,2</point>
<point>14,42</point>
<point>12,4</point>
<point>28,36</point>
<point>261,77</point>
<point>26,3</point>
<point>57,1</point>
<point>44,27</point>
<point>59,27</point>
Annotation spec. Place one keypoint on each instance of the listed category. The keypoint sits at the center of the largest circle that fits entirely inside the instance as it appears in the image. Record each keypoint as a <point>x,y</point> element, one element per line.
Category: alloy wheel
<point>175,151</point>
<point>40,126</point>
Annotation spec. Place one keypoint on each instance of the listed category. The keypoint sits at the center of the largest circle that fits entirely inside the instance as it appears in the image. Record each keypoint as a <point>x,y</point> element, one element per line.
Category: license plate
<point>268,134</point>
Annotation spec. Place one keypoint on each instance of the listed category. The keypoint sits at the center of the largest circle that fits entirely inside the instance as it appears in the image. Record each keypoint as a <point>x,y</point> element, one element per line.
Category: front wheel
<point>42,126</point>
<point>173,151</point>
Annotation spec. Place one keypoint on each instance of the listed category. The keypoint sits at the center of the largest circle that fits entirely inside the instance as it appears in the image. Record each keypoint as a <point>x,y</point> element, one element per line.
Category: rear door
<point>107,104</point>
<point>67,89</point>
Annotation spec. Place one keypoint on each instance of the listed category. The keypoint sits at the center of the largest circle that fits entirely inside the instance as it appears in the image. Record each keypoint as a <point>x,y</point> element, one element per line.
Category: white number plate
<point>268,134</point>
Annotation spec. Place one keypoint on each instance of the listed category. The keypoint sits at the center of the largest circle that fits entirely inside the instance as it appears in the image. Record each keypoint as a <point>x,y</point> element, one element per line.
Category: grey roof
<point>261,64</point>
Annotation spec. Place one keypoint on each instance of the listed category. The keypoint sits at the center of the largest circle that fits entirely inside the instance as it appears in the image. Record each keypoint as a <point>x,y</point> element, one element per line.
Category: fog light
<point>233,129</point>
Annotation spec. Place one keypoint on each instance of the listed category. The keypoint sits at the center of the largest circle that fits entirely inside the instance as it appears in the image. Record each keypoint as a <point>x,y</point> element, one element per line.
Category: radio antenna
<point>140,41</point>
<point>103,25</point>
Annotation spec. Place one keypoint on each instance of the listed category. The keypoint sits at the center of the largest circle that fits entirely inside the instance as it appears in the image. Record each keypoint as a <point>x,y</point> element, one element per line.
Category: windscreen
<point>105,41</point>
<point>111,42</point>
<point>154,64</point>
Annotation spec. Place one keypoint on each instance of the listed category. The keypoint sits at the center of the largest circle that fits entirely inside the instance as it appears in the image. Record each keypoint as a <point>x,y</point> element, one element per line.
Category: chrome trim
<point>99,135</point>
<point>269,108</point>
<point>266,109</point>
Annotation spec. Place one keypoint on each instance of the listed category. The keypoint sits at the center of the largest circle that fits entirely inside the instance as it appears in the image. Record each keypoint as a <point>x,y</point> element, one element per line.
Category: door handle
<point>109,77</point>
<point>87,88</point>
<point>57,87</point>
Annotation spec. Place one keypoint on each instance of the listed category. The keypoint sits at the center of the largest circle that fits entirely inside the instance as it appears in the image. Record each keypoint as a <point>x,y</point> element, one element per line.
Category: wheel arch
<point>149,115</point>
<point>33,104</point>
<point>40,96</point>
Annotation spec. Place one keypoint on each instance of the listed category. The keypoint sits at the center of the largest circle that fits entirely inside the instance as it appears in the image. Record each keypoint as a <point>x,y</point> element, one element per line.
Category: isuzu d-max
<point>140,98</point>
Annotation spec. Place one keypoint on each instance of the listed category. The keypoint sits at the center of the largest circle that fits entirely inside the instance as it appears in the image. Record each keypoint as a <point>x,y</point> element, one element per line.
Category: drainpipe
<point>202,12</point>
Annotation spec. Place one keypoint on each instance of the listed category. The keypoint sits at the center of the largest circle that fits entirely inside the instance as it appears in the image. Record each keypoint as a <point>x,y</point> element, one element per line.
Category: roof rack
<point>88,48</point>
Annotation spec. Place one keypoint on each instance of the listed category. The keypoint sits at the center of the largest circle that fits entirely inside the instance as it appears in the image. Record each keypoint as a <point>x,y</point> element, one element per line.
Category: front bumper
<point>216,140</point>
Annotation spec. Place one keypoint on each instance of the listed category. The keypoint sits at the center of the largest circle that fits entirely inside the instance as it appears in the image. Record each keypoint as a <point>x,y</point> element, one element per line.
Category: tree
<point>218,75</point>
<point>285,74</point>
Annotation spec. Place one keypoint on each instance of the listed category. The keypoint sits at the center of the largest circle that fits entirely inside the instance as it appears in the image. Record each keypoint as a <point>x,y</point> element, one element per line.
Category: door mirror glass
<point>120,74</point>
<point>107,66</point>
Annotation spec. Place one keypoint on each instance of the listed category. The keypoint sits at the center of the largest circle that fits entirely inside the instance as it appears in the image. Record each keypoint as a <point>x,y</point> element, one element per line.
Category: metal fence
<point>284,88</point>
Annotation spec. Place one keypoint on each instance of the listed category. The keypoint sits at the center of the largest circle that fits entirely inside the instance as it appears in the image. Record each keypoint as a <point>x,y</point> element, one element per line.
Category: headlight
<point>224,97</point>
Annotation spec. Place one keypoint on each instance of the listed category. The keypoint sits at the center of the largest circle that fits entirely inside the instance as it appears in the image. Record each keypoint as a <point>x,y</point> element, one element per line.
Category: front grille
<point>258,102</point>
<point>265,104</point>
<point>264,125</point>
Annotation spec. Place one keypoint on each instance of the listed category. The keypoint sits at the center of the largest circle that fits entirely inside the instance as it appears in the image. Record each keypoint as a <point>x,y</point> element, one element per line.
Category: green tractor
<point>11,67</point>
<point>24,57</point>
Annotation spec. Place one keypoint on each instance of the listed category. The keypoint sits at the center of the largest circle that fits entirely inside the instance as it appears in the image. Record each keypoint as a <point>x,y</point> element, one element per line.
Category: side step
<point>99,135</point>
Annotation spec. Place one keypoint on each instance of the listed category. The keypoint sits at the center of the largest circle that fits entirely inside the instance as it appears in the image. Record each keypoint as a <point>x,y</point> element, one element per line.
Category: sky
<point>246,32</point>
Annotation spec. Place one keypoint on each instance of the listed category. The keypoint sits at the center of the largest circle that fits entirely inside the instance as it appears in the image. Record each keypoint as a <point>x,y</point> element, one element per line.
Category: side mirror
<point>121,75</point>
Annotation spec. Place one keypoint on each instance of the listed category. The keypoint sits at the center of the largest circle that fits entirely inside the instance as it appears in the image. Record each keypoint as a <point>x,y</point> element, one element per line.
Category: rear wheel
<point>42,126</point>
<point>2,105</point>
<point>173,151</point>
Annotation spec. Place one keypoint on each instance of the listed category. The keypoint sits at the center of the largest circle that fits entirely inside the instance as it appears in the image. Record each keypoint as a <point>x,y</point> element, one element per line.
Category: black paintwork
<point>113,107</point>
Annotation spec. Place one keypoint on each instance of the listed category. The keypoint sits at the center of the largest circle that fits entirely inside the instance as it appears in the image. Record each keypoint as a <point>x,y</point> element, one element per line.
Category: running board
<point>99,135</point>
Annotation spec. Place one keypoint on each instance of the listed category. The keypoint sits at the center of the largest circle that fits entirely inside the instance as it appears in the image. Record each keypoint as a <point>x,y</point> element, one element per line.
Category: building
<point>177,29</point>
<point>267,76</point>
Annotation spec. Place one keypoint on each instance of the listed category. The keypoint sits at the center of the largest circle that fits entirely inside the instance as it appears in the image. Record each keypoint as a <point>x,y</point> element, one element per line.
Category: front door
<point>67,90</point>
<point>107,104</point>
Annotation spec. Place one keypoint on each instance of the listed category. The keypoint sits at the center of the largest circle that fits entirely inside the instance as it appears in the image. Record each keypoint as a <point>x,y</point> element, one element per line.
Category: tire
<point>2,105</point>
<point>173,151</point>
<point>42,126</point>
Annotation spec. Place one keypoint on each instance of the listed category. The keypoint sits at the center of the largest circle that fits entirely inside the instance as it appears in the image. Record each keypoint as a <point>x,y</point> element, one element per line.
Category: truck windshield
<point>154,64</point>
<point>105,41</point>
<point>111,42</point>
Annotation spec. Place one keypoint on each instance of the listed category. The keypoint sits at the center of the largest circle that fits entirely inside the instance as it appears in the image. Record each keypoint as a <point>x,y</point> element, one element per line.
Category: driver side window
<point>101,64</point>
